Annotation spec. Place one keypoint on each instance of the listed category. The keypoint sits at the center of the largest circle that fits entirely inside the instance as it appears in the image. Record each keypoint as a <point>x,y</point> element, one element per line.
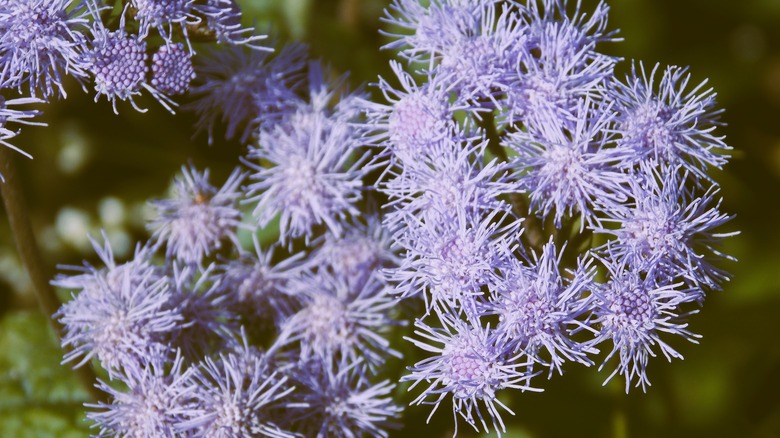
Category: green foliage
<point>38,397</point>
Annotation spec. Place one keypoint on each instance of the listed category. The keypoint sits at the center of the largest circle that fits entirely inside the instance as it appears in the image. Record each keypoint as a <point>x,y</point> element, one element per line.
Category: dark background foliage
<point>93,170</point>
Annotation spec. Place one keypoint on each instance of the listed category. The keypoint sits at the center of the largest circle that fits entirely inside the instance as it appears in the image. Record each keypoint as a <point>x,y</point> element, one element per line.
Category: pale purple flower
<point>157,398</point>
<point>669,227</point>
<point>333,398</point>
<point>314,176</point>
<point>235,395</point>
<point>118,62</point>
<point>570,169</point>
<point>199,218</point>
<point>633,313</point>
<point>659,119</point>
<point>468,365</point>
<point>119,314</point>
<point>41,41</point>
<point>539,308</point>
<point>336,321</point>
<point>163,15</point>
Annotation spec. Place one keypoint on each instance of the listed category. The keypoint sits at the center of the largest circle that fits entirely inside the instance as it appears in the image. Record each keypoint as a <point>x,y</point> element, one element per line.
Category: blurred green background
<point>95,170</point>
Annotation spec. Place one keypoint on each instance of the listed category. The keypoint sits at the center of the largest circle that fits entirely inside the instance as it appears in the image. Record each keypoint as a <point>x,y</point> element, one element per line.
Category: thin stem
<point>26,244</point>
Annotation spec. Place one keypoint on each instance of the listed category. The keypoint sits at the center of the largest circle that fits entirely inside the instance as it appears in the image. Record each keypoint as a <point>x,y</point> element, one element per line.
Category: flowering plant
<point>509,206</point>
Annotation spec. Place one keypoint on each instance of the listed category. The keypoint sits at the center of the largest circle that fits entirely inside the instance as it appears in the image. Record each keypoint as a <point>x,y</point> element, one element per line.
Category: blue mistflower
<point>337,321</point>
<point>539,308</point>
<point>470,366</point>
<point>120,314</point>
<point>668,228</point>
<point>571,169</point>
<point>313,177</point>
<point>661,120</point>
<point>415,118</point>
<point>246,89</point>
<point>172,69</point>
<point>40,42</point>
<point>157,401</point>
<point>633,313</point>
<point>199,218</point>
<point>333,398</point>
<point>235,395</point>
<point>118,62</point>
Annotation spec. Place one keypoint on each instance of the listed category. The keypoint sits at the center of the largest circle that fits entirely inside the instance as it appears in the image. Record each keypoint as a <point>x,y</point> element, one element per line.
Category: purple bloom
<point>172,69</point>
<point>157,400</point>
<point>668,227</point>
<point>163,14</point>
<point>313,179</point>
<point>246,89</point>
<point>255,286</point>
<point>235,395</point>
<point>539,308</point>
<point>120,313</point>
<point>413,121</point>
<point>664,121</point>
<point>336,321</point>
<point>632,313</point>
<point>333,398</point>
<point>40,42</point>
<point>470,366</point>
<point>570,169</point>
<point>118,62</point>
<point>357,255</point>
<point>199,218</point>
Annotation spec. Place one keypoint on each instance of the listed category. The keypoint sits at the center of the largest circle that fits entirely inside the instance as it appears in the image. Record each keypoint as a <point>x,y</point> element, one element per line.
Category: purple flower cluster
<point>544,208</point>
<point>212,338</point>
<point>531,206</point>
<point>42,42</point>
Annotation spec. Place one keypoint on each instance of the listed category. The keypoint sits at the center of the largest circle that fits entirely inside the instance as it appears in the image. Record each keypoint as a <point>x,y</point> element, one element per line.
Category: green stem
<point>26,244</point>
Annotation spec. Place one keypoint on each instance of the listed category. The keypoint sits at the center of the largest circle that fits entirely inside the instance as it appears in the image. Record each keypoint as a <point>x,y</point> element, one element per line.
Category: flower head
<point>199,218</point>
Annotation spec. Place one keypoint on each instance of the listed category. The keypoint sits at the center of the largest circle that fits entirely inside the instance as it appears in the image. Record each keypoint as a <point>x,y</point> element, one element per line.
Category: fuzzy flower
<point>172,69</point>
<point>414,120</point>
<point>633,313</point>
<point>333,398</point>
<point>120,314</point>
<point>437,185</point>
<point>357,255</point>
<point>539,308</point>
<point>314,177</point>
<point>163,14</point>
<point>660,119</point>
<point>450,263</point>
<point>668,228</point>
<point>41,41</point>
<point>569,170</point>
<point>199,218</point>
<point>158,399</point>
<point>335,321</point>
<point>470,367</point>
<point>255,285</point>
<point>246,89</point>
<point>235,394</point>
<point>208,321</point>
